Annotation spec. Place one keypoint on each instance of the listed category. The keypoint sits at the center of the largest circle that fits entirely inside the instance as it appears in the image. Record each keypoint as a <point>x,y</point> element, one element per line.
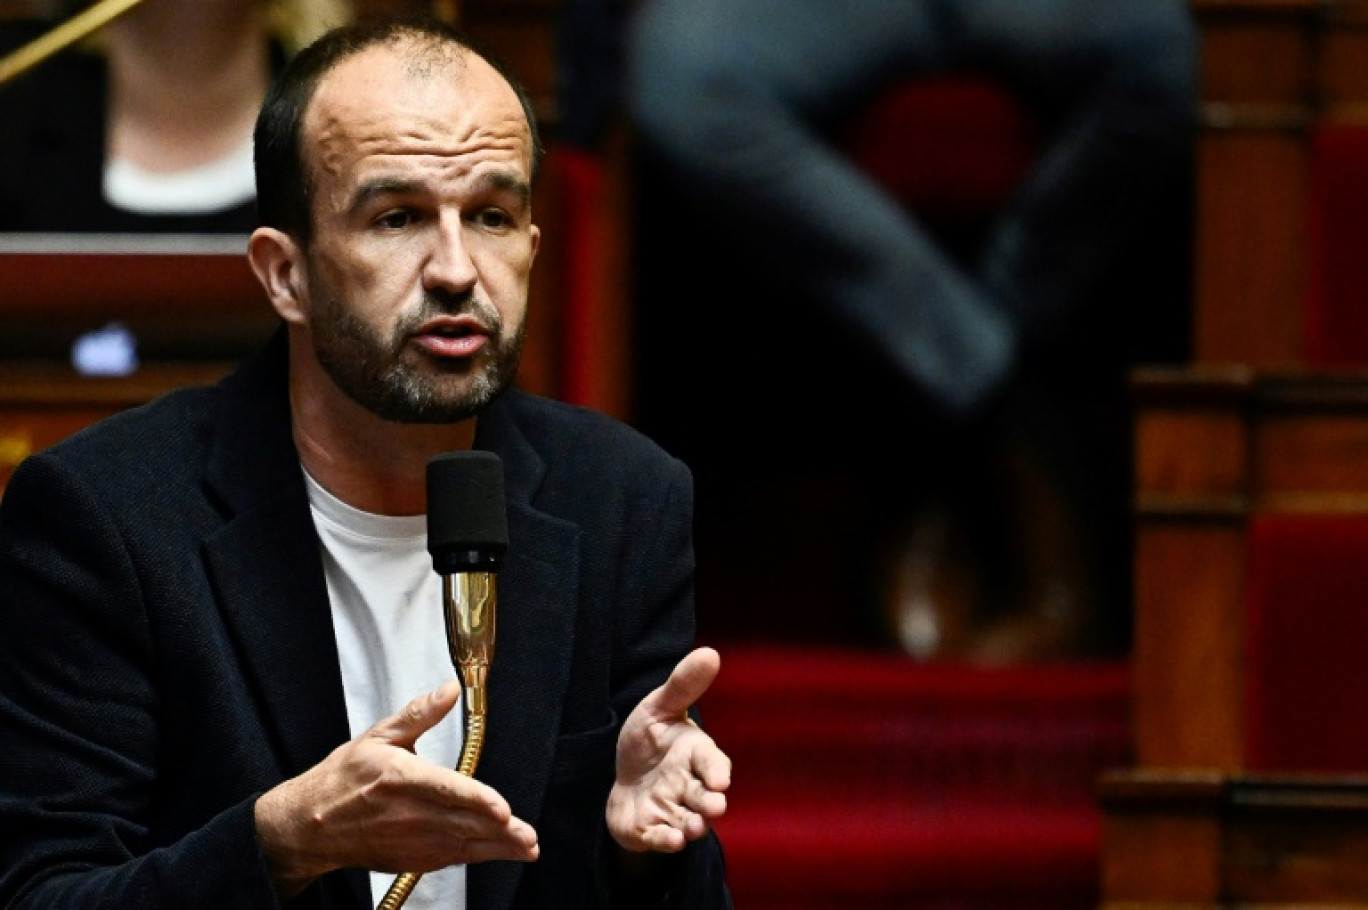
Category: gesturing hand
<point>671,776</point>
<point>373,804</point>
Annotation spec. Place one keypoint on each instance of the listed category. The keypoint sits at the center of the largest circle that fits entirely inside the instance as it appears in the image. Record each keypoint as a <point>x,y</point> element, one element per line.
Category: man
<point>206,599</point>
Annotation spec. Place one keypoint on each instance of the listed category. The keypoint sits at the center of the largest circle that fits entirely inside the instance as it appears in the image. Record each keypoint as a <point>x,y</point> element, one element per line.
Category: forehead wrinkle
<point>352,132</point>
<point>432,110</point>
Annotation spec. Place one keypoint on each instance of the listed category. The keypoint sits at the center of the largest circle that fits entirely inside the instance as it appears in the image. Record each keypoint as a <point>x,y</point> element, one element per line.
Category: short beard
<point>374,374</point>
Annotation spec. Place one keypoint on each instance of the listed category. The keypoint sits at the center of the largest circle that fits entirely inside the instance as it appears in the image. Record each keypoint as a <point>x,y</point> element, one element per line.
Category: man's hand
<point>375,805</point>
<point>671,776</point>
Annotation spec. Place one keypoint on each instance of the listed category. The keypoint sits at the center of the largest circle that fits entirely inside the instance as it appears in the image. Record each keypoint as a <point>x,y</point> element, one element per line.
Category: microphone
<point>467,537</point>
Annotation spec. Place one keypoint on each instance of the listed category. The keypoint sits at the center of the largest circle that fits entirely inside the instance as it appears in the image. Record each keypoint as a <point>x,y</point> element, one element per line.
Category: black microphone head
<point>466,516</point>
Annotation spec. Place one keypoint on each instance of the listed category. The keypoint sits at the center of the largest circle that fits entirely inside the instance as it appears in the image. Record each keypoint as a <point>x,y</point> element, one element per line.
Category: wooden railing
<point>1253,433</point>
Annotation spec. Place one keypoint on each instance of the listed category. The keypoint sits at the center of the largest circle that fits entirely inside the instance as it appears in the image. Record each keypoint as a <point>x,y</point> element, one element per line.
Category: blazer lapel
<point>265,567</point>
<point>537,592</point>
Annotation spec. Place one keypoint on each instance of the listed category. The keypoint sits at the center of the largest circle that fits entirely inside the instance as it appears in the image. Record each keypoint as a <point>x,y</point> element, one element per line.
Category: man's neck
<point>371,464</point>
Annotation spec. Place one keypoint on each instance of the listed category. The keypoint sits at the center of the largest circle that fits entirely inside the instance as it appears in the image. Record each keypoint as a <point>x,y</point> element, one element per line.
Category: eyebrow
<point>502,181</point>
<point>507,181</point>
<point>384,186</point>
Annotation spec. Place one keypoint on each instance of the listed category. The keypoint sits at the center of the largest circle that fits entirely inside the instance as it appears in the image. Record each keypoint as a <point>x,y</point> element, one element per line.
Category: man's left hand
<point>671,777</point>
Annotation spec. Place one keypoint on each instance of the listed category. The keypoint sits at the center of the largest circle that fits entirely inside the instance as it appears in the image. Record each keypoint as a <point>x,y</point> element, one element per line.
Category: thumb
<point>688,681</point>
<point>417,717</point>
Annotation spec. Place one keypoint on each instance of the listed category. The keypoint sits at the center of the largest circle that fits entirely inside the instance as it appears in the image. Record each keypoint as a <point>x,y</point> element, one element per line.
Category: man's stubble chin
<point>405,386</point>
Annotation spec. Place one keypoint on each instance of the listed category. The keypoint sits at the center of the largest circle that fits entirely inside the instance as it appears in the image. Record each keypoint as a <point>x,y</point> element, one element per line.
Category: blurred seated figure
<point>737,103</point>
<point>146,127</point>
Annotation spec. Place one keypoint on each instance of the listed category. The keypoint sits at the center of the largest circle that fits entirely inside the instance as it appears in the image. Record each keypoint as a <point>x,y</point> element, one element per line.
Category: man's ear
<point>278,264</point>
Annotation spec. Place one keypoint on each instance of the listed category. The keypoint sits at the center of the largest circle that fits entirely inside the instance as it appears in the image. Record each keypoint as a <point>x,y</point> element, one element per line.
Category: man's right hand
<point>374,804</point>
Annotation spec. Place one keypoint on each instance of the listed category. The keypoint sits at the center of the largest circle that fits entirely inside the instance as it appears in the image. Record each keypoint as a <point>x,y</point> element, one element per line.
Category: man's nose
<point>449,265</point>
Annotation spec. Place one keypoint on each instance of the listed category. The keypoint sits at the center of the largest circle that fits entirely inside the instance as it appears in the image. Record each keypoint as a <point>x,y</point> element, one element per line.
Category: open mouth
<point>452,337</point>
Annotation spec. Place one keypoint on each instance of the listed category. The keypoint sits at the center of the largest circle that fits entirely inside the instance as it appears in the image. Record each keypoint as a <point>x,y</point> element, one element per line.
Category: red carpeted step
<point>828,850</point>
<point>868,780</point>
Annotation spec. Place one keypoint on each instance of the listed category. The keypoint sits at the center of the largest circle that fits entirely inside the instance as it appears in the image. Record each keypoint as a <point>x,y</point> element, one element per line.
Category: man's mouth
<point>455,336</point>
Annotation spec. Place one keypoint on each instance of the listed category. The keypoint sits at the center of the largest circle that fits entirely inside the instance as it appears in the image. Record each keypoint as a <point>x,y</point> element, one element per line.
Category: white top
<point>219,184</point>
<point>391,638</point>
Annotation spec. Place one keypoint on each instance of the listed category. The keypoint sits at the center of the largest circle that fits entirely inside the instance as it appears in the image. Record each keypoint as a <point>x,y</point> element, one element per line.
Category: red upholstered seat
<point>869,780</point>
<point>948,147</point>
<point>1307,622</point>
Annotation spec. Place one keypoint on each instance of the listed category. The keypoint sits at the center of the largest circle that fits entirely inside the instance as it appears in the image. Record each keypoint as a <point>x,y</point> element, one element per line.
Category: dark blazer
<point>168,651</point>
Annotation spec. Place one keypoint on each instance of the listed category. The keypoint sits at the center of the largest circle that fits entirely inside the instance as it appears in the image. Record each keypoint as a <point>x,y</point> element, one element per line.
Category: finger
<point>438,843</point>
<point>712,766</point>
<point>417,717</point>
<point>663,839</point>
<point>482,851</point>
<point>464,827</point>
<point>681,827</point>
<point>425,782</point>
<point>706,803</point>
<point>688,681</point>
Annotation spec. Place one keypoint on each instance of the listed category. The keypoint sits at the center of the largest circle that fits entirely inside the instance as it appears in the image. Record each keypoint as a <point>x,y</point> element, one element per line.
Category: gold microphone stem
<point>403,885</point>
<point>69,32</point>
<point>468,602</point>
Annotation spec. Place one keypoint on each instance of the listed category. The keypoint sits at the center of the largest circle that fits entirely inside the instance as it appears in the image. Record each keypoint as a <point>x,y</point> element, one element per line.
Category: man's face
<point>417,276</point>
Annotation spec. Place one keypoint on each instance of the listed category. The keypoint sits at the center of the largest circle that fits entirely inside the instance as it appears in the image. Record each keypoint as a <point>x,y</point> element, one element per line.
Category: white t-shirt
<point>391,637</point>
<point>215,185</point>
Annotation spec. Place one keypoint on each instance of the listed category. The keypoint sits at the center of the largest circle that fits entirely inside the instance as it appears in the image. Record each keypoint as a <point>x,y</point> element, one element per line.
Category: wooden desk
<point>1200,840</point>
<point>185,297</point>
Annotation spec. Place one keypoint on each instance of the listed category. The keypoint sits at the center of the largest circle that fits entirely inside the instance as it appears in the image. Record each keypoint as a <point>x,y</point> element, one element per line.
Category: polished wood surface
<point>1248,430</point>
<point>1258,96</point>
<point>1174,838</point>
<point>183,296</point>
<point>1216,447</point>
<point>1273,74</point>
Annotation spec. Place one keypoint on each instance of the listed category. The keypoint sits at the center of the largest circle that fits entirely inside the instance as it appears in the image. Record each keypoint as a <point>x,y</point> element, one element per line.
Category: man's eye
<point>493,218</point>
<point>394,220</point>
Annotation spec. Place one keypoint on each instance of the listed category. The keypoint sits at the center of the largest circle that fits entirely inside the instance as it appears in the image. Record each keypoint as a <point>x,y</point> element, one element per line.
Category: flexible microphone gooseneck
<point>467,537</point>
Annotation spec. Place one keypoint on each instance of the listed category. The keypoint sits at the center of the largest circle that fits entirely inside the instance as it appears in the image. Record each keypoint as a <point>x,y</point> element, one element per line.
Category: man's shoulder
<point>157,435</point>
<point>575,430</point>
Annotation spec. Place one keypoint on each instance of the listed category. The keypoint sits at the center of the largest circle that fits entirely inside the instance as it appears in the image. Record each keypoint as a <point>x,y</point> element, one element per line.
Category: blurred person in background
<point>146,127</point>
<point>993,511</point>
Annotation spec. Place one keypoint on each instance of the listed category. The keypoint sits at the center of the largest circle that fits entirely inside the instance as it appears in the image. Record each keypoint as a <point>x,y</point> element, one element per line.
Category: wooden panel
<point>1232,840</point>
<point>1182,456</point>
<point>1312,463</point>
<point>1211,455</point>
<point>1280,36</point>
<point>1188,652</point>
<point>1344,65</point>
<point>1273,71</point>
<point>1251,257</point>
<point>1323,862</point>
<point>1161,838</point>
<point>184,296</point>
<point>1214,449</point>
